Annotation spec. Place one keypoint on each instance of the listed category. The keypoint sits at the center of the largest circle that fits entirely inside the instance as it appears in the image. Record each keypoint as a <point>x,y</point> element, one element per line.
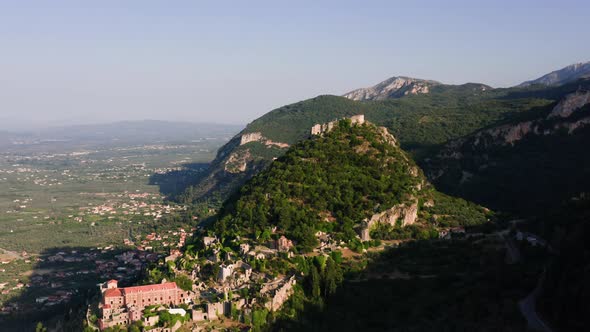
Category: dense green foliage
<point>537,172</point>
<point>419,122</point>
<point>345,176</point>
<point>448,211</point>
<point>455,285</point>
<point>334,182</point>
<point>565,293</point>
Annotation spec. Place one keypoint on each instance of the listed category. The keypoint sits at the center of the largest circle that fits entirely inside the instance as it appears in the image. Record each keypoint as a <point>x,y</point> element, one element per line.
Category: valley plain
<point>70,208</point>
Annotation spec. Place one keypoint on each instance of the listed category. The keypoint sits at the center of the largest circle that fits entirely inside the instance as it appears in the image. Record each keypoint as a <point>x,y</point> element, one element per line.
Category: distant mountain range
<point>394,87</point>
<point>506,154</point>
<point>562,76</point>
<point>422,115</point>
<point>533,158</point>
<point>520,152</point>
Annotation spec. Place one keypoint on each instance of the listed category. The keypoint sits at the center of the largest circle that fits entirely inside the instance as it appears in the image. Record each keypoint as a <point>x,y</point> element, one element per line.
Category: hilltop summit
<point>562,76</point>
<point>352,182</point>
<point>394,87</point>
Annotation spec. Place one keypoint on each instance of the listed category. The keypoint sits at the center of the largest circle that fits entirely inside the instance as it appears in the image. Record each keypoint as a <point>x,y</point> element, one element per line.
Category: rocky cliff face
<point>560,116</point>
<point>562,76</point>
<point>394,87</point>
<point>406,214</point>
<point>530,157</point>
<point>237,162</point>
<point>570,103</point>
<point>257,137</point>
<point>250,137</point>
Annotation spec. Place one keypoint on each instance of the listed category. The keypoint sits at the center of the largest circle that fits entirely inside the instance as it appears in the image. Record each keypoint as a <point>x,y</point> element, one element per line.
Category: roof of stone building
<point>113,292</point>
<point>149,288</point>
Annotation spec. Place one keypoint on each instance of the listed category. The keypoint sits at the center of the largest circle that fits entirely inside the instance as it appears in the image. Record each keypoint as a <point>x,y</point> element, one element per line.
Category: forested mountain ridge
<point>421,114</point>
<point>323,193</point>
<point>562,76</point>
<point>420,122</point>
<point>350,179</point>
<point>394,87</point>
<point>533,159</point>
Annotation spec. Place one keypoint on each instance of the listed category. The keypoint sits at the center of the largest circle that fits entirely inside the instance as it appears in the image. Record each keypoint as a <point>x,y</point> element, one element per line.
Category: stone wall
<point>281,295</point>
<point>320,129</point>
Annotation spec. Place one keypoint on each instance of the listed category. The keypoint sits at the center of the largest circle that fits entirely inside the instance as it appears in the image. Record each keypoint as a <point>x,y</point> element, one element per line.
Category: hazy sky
<point>64,62</point>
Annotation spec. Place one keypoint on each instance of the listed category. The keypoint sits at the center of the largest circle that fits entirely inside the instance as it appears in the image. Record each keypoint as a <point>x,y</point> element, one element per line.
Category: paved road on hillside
<point>527,305</point>
<point>528,309</point>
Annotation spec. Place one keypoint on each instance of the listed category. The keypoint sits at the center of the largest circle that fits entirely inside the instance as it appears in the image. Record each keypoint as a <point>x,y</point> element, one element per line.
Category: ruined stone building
<point>320,129</point>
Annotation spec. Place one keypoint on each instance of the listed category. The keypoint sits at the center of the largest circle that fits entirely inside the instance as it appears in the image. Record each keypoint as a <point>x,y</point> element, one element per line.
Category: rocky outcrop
<point>389,138</point>
<point>394,87</point>
<point>511,133</point>
<point>250,137</point>
<point>570,104</point>
<point>320,129</point>
<point>406,214</point>
<point>465,162</point>
<point>277,144</point>
<point>237,162</point>
<point>572,126</point>
<point>257,137</point>
<point>508,134</point>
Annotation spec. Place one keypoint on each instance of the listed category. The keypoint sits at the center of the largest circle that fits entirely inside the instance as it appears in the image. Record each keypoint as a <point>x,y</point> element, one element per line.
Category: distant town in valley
<point>80,211</point>
<point>288,166</point>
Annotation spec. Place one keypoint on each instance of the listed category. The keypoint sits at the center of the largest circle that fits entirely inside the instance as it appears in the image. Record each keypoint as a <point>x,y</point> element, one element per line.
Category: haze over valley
<point>295,167</point>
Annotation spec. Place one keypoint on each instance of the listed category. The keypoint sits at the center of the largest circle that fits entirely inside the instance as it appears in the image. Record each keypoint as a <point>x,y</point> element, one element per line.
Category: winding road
<point>528,309</point>
<point>527,305</point>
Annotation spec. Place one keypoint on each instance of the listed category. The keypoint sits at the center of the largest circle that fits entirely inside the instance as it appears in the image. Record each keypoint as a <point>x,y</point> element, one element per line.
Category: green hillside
<point>526,164</point>
<point>416,120</point>
<point>420,122</point>
<point>334,182</point>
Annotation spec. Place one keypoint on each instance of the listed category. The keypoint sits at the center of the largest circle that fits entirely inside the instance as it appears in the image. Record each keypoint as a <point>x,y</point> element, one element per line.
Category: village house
<point>209,241</point>
<point>174,254</point>
<point>244,248</point>
<point>240,270</point>
<point>283,244</point>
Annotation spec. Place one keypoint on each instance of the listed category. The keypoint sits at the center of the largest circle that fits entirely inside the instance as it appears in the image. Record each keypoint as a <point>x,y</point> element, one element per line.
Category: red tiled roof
<point>112,281</point>
<point>149,288</point>
<point>113,292</point>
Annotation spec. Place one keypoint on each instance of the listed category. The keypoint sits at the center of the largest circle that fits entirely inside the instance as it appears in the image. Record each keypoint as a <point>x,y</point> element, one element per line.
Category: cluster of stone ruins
<point>217,295</point>
<point>124,305</point>
<point>323,128</point>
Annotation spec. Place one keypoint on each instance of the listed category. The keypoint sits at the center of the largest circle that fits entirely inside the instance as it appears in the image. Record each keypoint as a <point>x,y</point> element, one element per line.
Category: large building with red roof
<point>121,306</point>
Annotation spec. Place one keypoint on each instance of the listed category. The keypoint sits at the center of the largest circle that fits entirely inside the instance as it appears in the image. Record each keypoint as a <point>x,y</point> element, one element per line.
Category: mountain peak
<point>561,76</point>
<point>394,87</point>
